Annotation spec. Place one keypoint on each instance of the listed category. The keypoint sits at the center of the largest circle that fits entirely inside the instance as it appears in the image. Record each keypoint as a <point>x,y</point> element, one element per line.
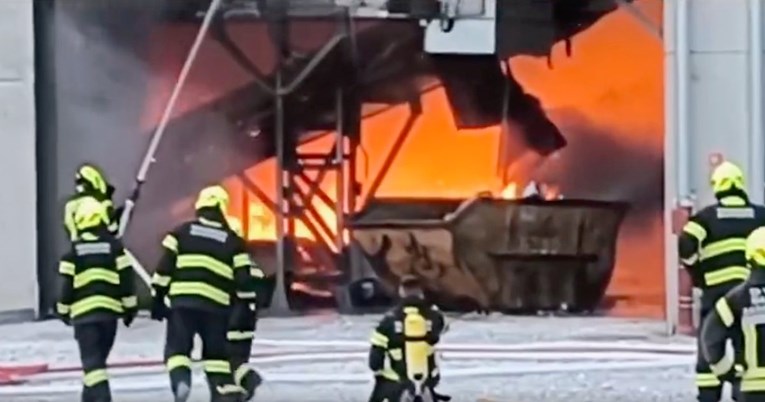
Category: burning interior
<point>398,161</point>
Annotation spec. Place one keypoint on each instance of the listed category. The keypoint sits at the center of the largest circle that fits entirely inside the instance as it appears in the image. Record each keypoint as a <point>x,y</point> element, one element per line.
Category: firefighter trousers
<point>182,325</point>
<point>386,391</point>
<point>752,397</point>
<point>239,348</point>
<point>708,384</point>
<point>95,341</point>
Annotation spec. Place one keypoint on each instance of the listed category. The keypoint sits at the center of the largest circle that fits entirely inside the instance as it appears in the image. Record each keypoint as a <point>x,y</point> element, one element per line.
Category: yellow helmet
<point>755,247</point>
<point>212,197</point>
<point>727,176</point>
<point>92,176</point>
<point>89,214</point>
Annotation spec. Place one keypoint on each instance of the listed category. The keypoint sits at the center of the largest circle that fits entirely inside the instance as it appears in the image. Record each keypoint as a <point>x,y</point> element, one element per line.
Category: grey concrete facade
<point>713,104</point>
<point>18,246</point>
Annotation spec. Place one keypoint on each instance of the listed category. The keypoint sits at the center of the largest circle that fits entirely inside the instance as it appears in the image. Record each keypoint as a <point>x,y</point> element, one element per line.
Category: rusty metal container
<point>494,254</point>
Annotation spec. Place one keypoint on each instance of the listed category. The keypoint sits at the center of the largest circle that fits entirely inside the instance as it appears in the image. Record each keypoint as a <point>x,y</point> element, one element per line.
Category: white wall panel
<point>18,225</point>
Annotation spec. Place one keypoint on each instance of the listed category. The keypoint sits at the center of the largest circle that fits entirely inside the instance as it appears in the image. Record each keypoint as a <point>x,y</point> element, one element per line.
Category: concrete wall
<point>722,111</point>
<point>18,242</point>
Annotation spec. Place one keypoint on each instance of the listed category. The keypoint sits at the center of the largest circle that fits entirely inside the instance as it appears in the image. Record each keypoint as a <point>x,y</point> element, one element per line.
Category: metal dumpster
<point>513,256</point>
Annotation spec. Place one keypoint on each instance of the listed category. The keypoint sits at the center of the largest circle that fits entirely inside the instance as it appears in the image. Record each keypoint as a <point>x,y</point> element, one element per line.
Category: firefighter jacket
<point>403,344</point>
<point>71,206</point>
<point>712,245</point>
<point>743,307</point>
<point>204,266</point>
<point>97,279</point>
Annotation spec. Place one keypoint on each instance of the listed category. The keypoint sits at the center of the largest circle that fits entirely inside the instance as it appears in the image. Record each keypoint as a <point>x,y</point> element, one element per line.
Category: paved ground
<point>51,342</point>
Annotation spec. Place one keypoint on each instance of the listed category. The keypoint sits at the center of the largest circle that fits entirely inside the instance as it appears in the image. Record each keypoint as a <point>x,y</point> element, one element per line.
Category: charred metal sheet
<point>492,254</point>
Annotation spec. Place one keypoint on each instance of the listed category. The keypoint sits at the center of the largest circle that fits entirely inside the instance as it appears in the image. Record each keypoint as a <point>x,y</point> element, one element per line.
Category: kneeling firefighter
<point>242,327</point>
<point>741,309</point>
<point>90,182</point>
<point>402,355</point>
<point>205,269</point>
<point>97,290</point>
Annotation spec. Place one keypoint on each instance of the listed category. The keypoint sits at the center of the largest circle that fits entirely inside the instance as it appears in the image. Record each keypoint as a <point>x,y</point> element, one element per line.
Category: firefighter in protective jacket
<point>242,326</point>
<point>402,354</point>
<point>90,182</point>
<point>742,309</point>
<point>712,248</point>
<point>97,290</point>
<point>204,270</point>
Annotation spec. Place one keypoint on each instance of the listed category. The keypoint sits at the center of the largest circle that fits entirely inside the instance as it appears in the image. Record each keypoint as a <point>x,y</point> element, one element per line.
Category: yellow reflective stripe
<point>62,309</point>
<point>240,335</point>
<point>378,339</point>
<point>690,260</point>
<point>240,373</point>
<point>389,374</point>
<point>178,361</point>
<point>751,350</point>
<point>159,280</point>
<point>94,302</point>
<point>723,309</point>
<point>733,273</point>
<point>66,268</point>
<point>217,366</point>
<point>229,389</point>
<point>242,260</point>
<point>123,261</point>
<point>96,274</point>
<point>707,380</point>
<point>130,302</point>
<point>753,385</point>
<point>246,295</point>
<point>207,262</point>
<point>257,273</point>
<point>200,289</point>
<point>95,377</point>
<point>695,230</point>
<point>723,246</point>
<point>724,366</point>
<point>170,243</point>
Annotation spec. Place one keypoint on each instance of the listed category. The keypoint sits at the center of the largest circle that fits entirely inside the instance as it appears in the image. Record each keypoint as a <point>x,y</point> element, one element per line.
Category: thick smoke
<point>605,164</point>
<point>101,84</point>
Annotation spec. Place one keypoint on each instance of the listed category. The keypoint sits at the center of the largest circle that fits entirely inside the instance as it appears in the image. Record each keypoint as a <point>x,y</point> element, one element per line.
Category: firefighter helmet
<point>212,197</point>
<point>90,176</point>
<point>727,176</point>
<point>755,247</point>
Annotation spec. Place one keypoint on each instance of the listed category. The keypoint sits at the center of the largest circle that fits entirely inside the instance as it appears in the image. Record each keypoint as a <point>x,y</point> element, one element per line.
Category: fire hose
<point>156,138</point>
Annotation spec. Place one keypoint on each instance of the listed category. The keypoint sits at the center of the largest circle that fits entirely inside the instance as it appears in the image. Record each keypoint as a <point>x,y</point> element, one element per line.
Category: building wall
<point>18,242</point>
<point>723,113</point>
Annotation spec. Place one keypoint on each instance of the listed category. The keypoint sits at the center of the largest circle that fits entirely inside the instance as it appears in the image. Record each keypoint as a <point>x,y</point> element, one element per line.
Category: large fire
<point>614,79</point>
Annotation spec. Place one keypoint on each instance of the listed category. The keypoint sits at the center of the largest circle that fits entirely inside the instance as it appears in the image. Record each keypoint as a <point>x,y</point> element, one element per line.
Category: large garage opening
<point>521,181</point>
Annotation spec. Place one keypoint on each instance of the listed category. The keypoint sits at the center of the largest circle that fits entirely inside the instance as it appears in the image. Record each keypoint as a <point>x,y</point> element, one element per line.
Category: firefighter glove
<point>65,319</point>
<point>159,310</point>
<point>128,318</point>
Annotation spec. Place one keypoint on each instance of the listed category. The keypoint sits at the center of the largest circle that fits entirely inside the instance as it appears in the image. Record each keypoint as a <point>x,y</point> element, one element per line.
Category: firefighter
<point>242,326</point>
<point>204,266</point>
<point>742,309</point>
<point>97,290</point>
<point>90,182</point>
<point>712,248</point>
<point>402,354</point>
